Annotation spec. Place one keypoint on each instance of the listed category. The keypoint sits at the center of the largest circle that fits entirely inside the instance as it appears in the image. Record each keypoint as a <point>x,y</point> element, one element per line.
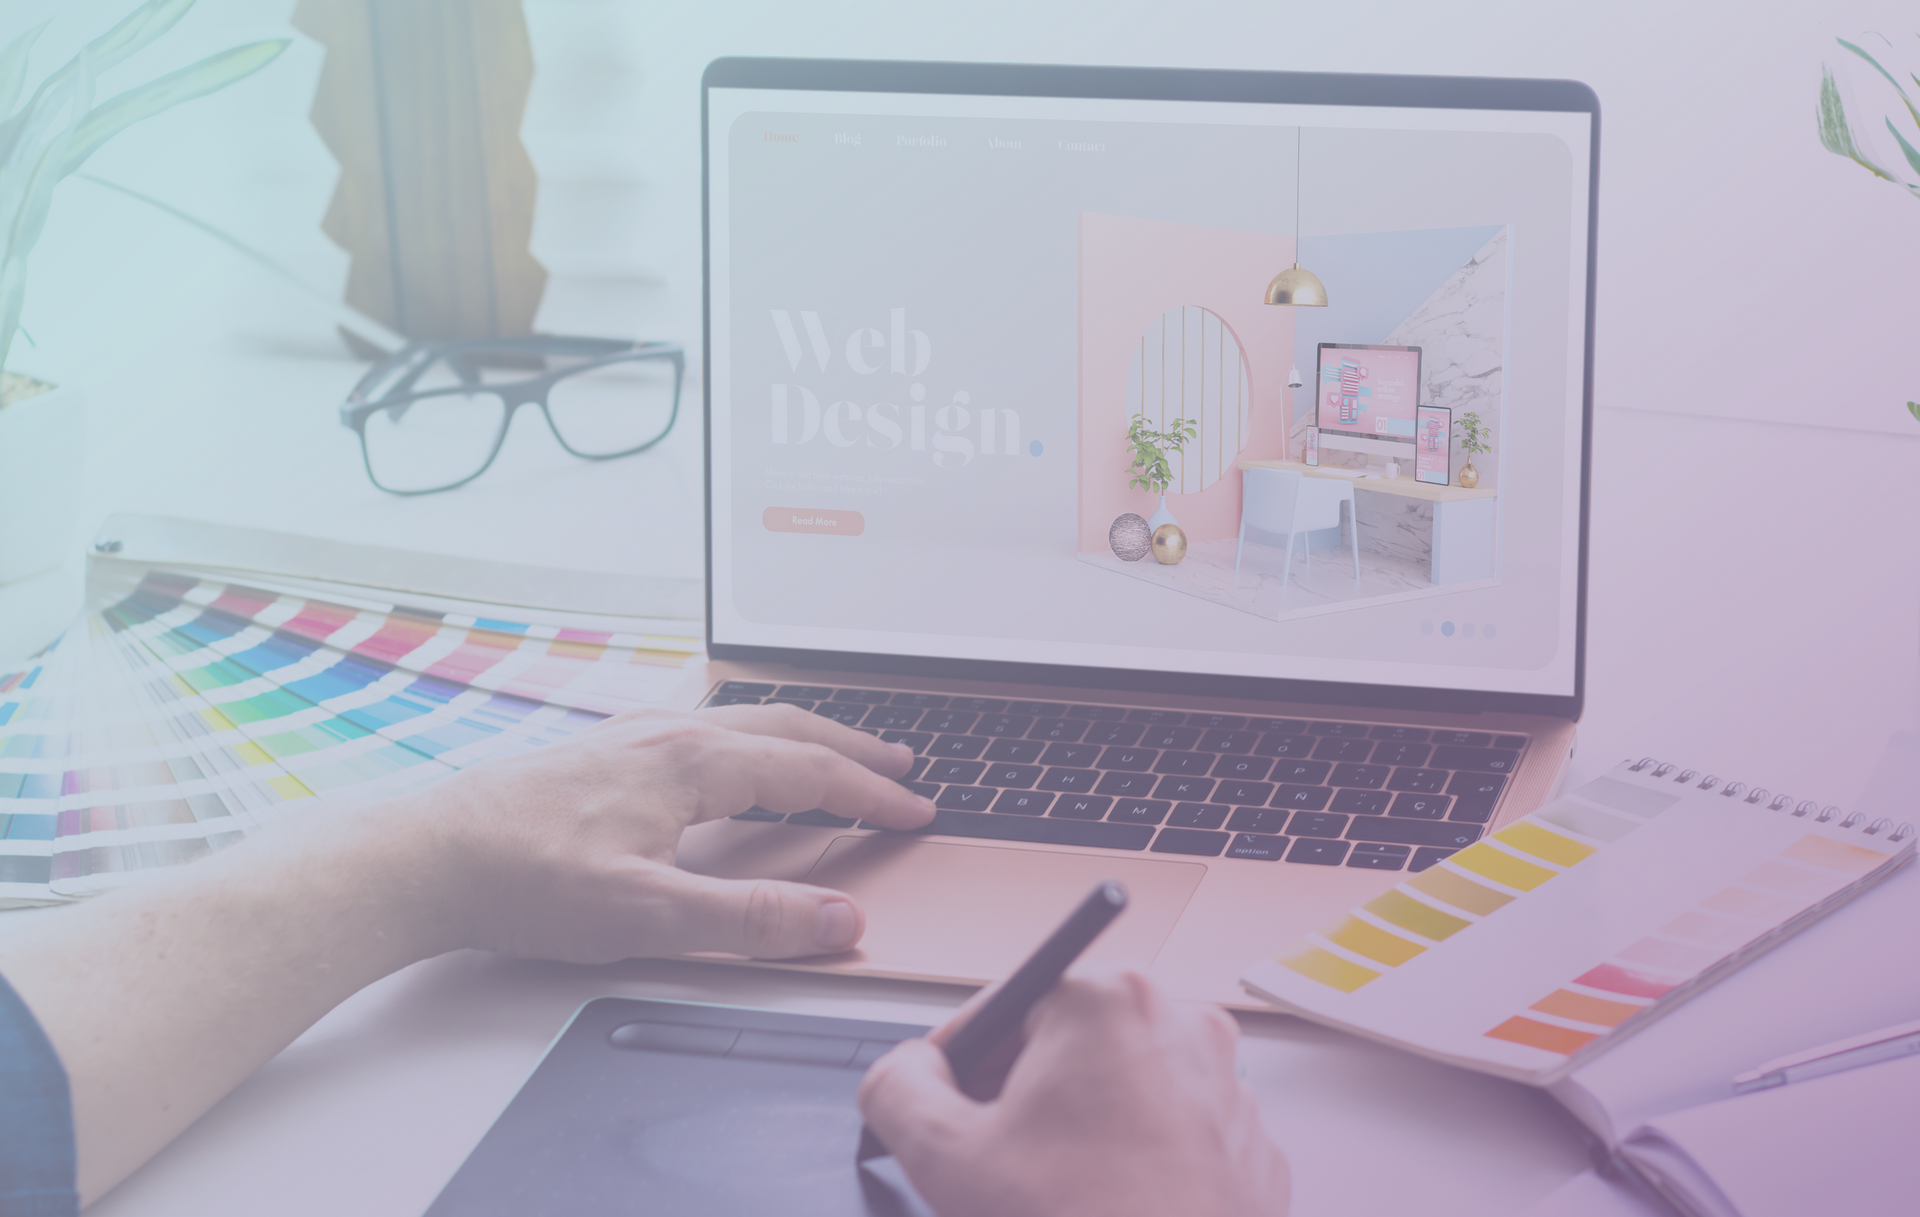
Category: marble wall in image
<point>1461,330</point>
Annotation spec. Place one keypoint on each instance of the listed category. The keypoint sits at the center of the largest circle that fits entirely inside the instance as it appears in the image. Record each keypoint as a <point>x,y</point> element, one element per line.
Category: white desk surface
<point>1750,613</point>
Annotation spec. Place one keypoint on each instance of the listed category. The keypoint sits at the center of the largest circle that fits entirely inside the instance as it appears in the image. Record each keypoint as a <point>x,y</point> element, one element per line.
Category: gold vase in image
<point>1169,544</point>
<point>1469,476</point>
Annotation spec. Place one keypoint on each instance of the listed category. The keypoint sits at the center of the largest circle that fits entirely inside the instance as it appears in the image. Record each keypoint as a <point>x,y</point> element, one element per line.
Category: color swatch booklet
<point>1534,951</point>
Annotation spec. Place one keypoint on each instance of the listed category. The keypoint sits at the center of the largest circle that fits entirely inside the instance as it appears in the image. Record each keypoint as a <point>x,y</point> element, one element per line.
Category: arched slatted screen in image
<point>1189,365</point>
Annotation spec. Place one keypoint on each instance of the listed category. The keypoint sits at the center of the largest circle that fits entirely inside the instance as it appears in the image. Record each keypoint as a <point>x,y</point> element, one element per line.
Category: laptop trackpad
<point>974,912</point>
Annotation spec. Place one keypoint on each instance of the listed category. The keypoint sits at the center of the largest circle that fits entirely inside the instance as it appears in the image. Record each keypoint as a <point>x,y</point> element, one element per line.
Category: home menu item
<point>1533,951</point>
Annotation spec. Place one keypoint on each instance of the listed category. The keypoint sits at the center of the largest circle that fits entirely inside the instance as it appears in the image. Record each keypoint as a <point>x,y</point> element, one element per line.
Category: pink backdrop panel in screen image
<point>1131,272</point>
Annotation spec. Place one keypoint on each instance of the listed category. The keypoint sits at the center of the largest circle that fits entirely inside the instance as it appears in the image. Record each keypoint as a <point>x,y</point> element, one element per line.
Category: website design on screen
<point>968,354</point>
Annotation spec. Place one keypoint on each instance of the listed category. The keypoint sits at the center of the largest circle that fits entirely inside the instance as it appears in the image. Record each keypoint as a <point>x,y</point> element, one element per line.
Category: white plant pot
<point>1163,516</point>
<point>42,453</point>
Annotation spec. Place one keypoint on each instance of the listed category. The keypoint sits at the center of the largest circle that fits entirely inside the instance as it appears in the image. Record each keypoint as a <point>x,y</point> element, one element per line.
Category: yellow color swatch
<point>1834,855</point>
<point>289,788</point>
<point>1329,969</point>
<point>1397,908</point>
<point>1535,840</point>
<point>252,753</point>
<point>1565,1003</point>
<point>1373,942</point>
<point>1459,891</point>
<point>1482,859</point>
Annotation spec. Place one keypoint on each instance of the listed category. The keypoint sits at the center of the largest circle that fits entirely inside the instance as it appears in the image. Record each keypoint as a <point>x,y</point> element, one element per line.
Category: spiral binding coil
<point>1774,802</point>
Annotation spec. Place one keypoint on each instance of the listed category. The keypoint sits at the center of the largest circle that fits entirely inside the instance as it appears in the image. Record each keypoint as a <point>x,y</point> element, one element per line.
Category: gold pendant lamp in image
<point>1296,286</point>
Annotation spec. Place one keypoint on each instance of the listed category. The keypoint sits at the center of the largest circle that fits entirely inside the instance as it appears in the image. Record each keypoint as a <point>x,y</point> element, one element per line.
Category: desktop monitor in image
<point>1367,392</point>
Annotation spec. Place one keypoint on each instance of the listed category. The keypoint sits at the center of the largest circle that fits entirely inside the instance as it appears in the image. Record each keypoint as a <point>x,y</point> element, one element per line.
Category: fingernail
<point>835,928</point>
<point>925,802</point>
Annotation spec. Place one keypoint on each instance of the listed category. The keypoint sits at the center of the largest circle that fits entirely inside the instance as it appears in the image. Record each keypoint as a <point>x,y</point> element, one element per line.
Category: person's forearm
<point>161,999</point>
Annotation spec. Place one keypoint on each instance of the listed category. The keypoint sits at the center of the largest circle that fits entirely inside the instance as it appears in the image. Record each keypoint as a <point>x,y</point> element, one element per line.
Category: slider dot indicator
<point>1036,448</point>
<point>1446,627</point>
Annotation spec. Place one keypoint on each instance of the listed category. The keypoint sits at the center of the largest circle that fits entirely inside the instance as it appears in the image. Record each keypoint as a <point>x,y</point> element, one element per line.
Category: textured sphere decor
<point>1130,538</point>
<point>1169,544</point>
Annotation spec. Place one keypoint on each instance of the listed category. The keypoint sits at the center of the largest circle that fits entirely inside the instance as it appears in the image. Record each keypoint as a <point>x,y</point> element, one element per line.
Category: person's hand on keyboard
<point>567,852</point>
<point>1121,1103</point>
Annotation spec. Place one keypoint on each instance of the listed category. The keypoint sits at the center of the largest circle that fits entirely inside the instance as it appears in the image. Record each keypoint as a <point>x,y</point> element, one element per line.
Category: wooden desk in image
<point>1465,522</point>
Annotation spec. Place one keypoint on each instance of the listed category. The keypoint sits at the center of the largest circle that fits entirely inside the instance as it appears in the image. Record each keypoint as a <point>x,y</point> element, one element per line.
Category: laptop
<point>1011,376</point>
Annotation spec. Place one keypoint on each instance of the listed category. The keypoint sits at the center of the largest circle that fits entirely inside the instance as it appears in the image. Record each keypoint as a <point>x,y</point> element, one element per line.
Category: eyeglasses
<point>433,416</point>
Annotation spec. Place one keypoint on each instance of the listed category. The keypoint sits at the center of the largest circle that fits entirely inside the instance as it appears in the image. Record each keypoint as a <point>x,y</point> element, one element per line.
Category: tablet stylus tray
<point>670,1108</point>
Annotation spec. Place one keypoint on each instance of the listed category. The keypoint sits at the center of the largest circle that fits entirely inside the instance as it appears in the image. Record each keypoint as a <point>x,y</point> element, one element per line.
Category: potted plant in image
<point>1151,470</point>
<point>1474,436</point>
<point>42,141</point>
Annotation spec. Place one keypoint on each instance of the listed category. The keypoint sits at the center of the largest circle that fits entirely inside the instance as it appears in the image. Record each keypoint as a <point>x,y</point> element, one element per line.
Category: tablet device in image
<point>663,1107</point>
<point>1433,445</point>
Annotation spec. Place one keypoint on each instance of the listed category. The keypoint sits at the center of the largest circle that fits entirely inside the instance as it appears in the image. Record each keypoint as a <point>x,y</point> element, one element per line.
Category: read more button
<point>811,519</point>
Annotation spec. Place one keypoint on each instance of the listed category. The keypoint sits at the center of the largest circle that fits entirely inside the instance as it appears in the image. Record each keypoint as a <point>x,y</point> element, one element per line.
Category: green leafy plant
<point>58,127</point>
<point>1837,137</point>
<point>1474,435</point>
<point>1150,469</point>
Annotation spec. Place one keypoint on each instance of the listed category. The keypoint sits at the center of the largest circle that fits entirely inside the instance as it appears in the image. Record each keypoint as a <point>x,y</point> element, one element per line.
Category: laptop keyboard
<point>1317,793</point>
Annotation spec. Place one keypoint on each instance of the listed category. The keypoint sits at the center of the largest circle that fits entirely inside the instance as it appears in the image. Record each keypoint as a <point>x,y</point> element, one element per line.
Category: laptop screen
<point>995,376</point>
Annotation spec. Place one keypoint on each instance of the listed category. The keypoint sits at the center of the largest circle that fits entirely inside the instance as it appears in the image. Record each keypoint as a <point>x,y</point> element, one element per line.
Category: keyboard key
<point>1472,809</point>
<point>1412,832</point>
<point>967,798</point>
<point>890,718</point>
<point>1306,773</point>
<point>846,713</point>
<point>1341,730</point>
<point>1127,785</point>
<point>746,688</point>
<point>1426,781</point>
<point>1058,729</point>
<point>1257,848</point>
<point>1081,806</point>
<point>1217,722</point>
<point>1197,815</point>
<point>925,790</point>
<point>732,699</point>
<point>1022,803</point>
<point>1114,734</point>
<point>1183,762</point>
<point>1022,751</point>
<point>1039,709</point>
<point>1134,760</point>
<point>805,692</point>
<point>1074,756</point>
<point>1002,774</point>
<point>1070,781</point>
<point>1317,852</point>
<point>957,747</point>
<point>867,697</point>
<point>1189,841</point>
<point>792,701</point>
<point>1375,856</point>
<point>1341,749</point>
<point>1179,739</point>
<point>919,701</point>
<point>1178,786</point>
<point>821,819</point>
<point>978,705</point>
<point>1277,726</point>
<point>1463,739</point>
<point>1248,794</point>
<point>1362,802</point>
<point>1366,777</point>
<point>1421,806</point>
<point>1044,830</point>
<point>1486,760</point>
<point>1099,713</point>
<point>1488,784</point>
<point>759,814</point>
<point>1225,740</point>
<point>1316,824</point>
<point>1426,857</point>
<point>1157,718</point>
<point>1510,741</point>
<point>918,767</point>
<point>1284,745</point>
<point>1246,768</point>
<point>956,721</point>
<point>1390,753</point>
<point>954,771</point>
<point>1258,819</point>
<point>1014,725</point>
<point>1139,811</point>
<point>1401,735</point>
<point>916,740</point>
<point>1302,798</point>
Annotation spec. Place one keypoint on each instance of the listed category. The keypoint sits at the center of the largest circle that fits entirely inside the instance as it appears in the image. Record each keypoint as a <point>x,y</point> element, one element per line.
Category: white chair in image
<point>1286,501</point>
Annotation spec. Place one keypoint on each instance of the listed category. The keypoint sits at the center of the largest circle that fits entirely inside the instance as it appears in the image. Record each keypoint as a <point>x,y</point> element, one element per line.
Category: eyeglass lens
<point>613,408</point>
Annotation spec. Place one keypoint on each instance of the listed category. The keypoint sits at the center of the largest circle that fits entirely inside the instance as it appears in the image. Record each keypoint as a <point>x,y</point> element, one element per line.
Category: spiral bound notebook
<point>1539,948</point>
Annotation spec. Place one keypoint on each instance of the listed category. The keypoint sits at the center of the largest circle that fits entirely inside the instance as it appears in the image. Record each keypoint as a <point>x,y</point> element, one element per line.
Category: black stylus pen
<point>1006,1011</point>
